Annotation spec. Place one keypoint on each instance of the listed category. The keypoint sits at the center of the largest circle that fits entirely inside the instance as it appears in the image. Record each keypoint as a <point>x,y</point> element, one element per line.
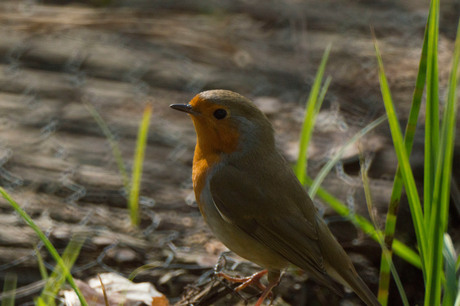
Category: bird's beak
<point>186,108</point>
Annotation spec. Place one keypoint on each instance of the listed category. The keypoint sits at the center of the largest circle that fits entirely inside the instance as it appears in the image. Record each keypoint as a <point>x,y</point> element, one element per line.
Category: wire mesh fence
<point>120,55</point>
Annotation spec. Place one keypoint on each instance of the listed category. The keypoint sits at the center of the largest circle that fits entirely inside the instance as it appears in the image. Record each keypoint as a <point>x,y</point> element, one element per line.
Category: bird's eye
<point>220,113</point>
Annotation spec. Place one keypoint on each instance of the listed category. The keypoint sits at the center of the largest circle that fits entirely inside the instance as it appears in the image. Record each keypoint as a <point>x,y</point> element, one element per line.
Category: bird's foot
<point>267,293</point>
<point>255,281</point>
<point>245,281</point>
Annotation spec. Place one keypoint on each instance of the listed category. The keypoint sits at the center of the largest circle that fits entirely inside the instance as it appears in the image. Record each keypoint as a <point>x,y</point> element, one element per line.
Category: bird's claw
<point>248,281</point>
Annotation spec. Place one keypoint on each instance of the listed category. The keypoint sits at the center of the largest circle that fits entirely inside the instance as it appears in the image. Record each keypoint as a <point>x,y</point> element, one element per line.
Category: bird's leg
<point>273,281</point>
<point>245,281</point>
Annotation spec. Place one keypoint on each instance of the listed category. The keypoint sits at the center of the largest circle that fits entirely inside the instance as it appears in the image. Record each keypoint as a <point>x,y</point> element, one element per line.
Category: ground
<point>119,56</point>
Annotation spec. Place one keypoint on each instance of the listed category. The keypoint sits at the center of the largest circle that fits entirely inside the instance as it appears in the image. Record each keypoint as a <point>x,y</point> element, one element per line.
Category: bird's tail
<point>339,266</point>
<point>351,279</point>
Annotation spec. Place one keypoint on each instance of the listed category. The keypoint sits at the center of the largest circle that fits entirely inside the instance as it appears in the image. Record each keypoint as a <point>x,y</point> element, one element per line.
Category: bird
<point>252,201</point>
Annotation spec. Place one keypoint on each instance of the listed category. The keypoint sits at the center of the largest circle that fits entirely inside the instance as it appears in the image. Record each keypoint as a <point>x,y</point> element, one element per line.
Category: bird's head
<point>227,122</point>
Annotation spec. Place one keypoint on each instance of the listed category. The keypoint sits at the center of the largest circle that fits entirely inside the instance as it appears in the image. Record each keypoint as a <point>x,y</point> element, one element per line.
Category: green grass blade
<point>104,292</point>
<point>441,197</point>
<point>46,242</point>
<point>398,283</point>
<point>9,289</point>
<point>137,166</point>
<point>450,116</point>
<point>56,280</point>
<point>338,155</point>
<point>143,268</point>
<point>432,109</point>
<point>451,287</point>
<point>300,168</point>
<point>400,248</point>
<point>380,237</point>
<point>403,160</point>
<point>41,264</point>
<point>393,207</point>
<point>367,194</point>
<point>39,302</point>
<point>441,192</point>
<point>322,94</point>
<point>113,144</point>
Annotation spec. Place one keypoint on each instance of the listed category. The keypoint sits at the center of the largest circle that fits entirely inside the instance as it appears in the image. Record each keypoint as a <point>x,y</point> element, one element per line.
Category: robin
<point>252,201</point>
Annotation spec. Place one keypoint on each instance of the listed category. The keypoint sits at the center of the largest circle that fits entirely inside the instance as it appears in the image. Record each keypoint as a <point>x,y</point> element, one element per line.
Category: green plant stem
<point>309,120</point>
<point>441,192</point>
<point>137,167</point>
<point>393,207</point>
<point>47,244</point>
<point>56,280</point>
<point>333,161</point>
<point>113,144</point>
<point>399,248</point>
<point>41,264</point>
<point>432,110</point>
<point>380,238</point>
<point>9,289</point>
<point>403,160</point>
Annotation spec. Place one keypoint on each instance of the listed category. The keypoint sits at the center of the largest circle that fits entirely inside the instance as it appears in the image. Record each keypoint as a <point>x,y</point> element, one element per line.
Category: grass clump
<point>64,268</point>
<point>435,255</point>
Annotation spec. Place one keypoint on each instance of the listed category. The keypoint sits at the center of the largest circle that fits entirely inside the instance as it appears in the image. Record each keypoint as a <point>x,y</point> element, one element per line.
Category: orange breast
<point>202,165</point>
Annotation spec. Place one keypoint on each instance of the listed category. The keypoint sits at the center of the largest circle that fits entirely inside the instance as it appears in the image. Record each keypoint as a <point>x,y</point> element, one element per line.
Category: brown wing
<point>280,215</point>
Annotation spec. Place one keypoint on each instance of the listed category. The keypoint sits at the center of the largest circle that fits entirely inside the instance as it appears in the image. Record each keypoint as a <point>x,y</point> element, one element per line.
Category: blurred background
<point>119,56</point>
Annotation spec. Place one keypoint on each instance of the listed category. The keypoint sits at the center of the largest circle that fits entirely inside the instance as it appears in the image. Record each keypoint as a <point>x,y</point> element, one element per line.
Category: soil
<point>59,60</point>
